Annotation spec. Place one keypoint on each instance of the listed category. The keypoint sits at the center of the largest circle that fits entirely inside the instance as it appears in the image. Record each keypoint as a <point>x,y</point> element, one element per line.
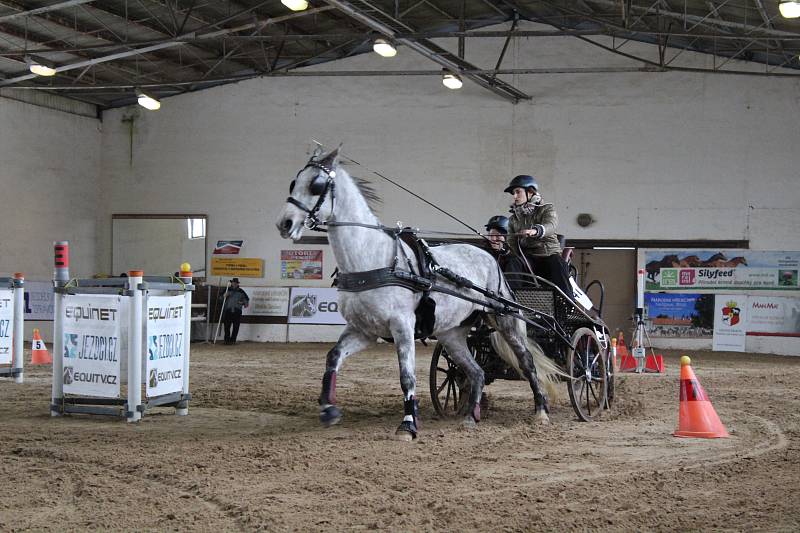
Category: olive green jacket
<point>544,216</point>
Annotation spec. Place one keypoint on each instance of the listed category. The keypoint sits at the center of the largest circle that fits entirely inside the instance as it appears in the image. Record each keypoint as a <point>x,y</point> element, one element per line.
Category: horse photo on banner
<point>311,305</point>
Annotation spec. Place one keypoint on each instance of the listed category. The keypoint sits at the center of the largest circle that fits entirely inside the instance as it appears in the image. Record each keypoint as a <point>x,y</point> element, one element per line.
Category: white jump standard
<point>98,330</point>
<point>12,316</point>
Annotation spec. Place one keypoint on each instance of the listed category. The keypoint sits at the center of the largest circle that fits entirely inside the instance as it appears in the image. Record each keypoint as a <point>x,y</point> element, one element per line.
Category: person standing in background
<point>235,299</point>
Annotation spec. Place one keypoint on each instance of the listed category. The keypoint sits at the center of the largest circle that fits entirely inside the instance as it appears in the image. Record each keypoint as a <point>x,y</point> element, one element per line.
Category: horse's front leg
<point>403,335</point>
<point>350,341</point>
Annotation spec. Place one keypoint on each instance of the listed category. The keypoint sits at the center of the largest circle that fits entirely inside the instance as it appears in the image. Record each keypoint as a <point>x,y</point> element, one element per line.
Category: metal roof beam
<point>430,50</point>
<point>45,9</point>
<point>169,43</point>
<point>610,31</point>
<point>702,20</point>
<point>108,34</point>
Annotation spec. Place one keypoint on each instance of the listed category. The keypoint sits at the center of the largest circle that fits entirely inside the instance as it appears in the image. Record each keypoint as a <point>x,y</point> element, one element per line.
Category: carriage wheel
<point>587,366</point>
<point>609,380</point>
<point>448,383</point>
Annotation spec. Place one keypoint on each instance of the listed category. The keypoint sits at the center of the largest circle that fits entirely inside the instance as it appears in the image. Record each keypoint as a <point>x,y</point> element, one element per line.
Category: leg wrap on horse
<point>329,414</point>
<point>328,395</point>
<point>410,408</point>
<point>542,405</point>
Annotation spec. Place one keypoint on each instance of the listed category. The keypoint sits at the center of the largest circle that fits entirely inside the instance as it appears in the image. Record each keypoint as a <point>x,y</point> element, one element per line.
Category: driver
<point>532,232</point>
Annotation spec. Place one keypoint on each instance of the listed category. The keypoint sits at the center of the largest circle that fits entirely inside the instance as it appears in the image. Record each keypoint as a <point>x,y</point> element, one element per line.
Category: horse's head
<point>311,192</point>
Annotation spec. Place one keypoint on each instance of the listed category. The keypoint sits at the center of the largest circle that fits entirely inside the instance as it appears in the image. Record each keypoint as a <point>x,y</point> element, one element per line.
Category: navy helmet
<point>523,181</point>
<point>499,223</point>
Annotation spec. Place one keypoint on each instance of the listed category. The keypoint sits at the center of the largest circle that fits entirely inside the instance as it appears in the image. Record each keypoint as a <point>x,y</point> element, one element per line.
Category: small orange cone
<point>39,353</point>
<point>697,416</point>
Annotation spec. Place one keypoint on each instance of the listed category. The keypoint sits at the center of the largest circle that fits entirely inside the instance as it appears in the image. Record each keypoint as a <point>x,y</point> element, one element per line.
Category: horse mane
<point>367,190</point>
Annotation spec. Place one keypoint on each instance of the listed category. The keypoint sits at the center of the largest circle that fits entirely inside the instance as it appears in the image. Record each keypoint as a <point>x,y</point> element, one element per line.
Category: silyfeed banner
<point>672,270</point>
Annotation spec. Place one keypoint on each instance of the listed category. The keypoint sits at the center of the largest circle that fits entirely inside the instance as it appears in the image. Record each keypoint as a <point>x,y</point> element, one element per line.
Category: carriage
<point>575,338</point>
<point>392,285</point>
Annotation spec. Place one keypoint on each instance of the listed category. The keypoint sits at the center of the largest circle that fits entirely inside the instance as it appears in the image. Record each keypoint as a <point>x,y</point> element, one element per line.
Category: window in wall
<point>197,228</point>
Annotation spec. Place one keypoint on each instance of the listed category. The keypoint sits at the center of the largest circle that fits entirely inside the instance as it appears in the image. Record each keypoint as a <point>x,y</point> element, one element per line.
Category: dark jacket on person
<point>527,216</point>
<point>236,299</point>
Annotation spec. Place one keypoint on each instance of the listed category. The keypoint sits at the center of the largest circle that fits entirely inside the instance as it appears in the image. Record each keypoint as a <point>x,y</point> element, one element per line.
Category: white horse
<point>322,188</point>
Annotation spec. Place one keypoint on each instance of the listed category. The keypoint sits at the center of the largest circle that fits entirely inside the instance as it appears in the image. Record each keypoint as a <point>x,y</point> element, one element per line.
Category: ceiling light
<point>384,48</point>
<point>295,5</point>
<point>41,67</point>
<point>147,101</point>
<point>451,81</point>
<point>790,10</point>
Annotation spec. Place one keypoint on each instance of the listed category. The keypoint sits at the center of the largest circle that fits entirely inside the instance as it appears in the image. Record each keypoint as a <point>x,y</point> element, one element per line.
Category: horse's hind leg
<point>350,341</point>
<point>455,340</point>
<point>513,331</point>
<point>403,335</point>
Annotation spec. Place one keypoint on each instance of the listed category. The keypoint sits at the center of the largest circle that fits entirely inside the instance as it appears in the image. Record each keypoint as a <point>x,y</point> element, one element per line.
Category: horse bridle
<point>316,188</point>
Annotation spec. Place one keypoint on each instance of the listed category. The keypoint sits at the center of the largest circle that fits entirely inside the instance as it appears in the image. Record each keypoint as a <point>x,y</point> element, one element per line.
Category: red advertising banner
<point>301,264</point>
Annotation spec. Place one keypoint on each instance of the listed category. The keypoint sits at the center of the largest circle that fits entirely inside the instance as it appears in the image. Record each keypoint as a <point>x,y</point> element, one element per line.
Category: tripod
<point>637,342</point>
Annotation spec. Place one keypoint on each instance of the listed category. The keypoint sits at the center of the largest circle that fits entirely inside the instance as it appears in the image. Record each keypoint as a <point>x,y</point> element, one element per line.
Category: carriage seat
<point>566,252</point>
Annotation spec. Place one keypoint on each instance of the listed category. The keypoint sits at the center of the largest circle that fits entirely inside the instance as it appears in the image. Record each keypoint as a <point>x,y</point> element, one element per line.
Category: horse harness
<point>391,276</point>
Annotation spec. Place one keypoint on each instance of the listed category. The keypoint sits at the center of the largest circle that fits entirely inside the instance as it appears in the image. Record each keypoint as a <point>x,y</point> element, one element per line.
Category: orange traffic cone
<point>626,360</point>
<point>697,416</point>
<point>39,353</point>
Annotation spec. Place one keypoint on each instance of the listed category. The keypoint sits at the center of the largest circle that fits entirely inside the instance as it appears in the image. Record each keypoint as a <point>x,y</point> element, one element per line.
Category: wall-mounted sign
<point>730,322</point>
<point>39,300</point>
<point>242,267</point>
<point>227,248</point>
<point>267,301</point>
<point>301,264</point>
<point>721,269</point>
<point>679,315</point>
<point>311,305</point>
<point>773,316</point>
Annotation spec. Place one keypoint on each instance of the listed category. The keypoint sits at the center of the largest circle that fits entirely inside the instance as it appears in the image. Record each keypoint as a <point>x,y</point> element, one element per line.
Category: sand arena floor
<point>251,455</point>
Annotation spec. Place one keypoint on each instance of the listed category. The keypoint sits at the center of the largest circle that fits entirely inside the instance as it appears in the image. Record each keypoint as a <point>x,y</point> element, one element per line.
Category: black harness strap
<point>381,277</point>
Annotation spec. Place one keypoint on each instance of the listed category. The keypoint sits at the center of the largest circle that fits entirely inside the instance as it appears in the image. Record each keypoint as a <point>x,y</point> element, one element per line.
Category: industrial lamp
<point>451,81</point>
<point>40,67</point>
<point>790,9</point>
<point>147,101</point>
<point>295,5</point>
<point>384,48</point>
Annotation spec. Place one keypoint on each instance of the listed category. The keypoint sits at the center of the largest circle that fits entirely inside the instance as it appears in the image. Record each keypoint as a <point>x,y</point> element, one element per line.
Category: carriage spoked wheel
<point>587,366</point>
<point>609,379</point>
<point>448,384</point>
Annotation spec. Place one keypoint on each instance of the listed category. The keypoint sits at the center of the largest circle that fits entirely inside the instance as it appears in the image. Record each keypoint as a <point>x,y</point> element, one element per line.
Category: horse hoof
<point>407,431</point>
<point>541,418</point>
<point>330,416</point>
<point>403,436</point>
<point>469,423</point>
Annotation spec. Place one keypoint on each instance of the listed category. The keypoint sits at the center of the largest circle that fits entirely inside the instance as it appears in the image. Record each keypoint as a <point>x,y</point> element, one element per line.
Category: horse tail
<point>547,370</point>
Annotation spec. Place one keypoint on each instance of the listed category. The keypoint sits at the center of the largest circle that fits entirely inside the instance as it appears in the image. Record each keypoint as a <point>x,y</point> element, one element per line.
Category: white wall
<point>49,171</point>
<point>156,245</point>
<point>650,155</point>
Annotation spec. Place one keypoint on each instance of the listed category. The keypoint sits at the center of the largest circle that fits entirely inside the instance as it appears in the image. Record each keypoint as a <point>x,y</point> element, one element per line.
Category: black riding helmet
<point>523,181</point>
<point>499,223</point>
